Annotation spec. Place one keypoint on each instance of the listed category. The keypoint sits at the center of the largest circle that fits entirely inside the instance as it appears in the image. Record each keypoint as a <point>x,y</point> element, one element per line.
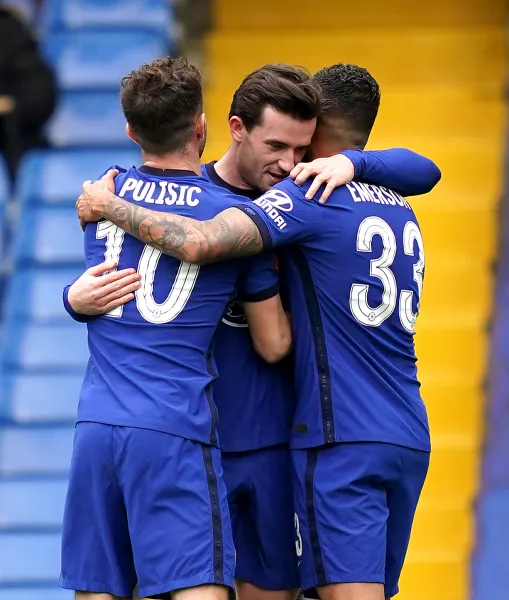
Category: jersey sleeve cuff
<point>72,313</point>
<point>358,160</point>
<point>261,296</point>
<point>259,222</point>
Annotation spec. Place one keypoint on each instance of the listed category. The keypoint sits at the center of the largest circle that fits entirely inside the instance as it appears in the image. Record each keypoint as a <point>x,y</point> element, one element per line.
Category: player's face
<point>270,150</point>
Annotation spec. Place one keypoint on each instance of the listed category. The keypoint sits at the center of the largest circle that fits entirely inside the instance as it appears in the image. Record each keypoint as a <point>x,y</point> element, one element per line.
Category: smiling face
<point>269,151</point>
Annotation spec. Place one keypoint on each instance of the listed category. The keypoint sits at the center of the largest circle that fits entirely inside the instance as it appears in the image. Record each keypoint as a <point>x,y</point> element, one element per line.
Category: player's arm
<point>402,170</point>
<point>230,234</point>
<point>270,328</point>
<point>98,290</point>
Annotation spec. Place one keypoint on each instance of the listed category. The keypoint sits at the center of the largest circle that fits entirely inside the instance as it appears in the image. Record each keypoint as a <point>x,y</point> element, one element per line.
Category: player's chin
<point>273,179</point>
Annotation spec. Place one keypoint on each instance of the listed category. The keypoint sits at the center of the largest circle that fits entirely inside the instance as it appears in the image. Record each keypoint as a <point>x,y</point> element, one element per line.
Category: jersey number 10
<point>148,308</point>
<point>381,269</point>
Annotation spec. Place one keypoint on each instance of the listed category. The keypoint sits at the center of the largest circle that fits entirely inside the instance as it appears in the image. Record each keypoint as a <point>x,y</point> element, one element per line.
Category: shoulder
<point>289,187</point>
<point>206,170</point>
<point>284,197</point>
<point>121,172</point>
<point>287,192</point>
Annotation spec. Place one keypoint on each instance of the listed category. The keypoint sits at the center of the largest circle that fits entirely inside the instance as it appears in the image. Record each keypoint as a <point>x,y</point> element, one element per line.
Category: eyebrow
<point>278,142</point>
<point>285,144</point>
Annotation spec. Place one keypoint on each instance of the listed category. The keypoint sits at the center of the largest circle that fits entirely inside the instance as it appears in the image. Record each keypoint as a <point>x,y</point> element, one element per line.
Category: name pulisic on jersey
<point>161,192</point>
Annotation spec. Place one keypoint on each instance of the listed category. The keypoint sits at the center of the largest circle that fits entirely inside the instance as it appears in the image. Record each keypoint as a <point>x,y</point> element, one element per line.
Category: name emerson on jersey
<point>276,202</point>
<point>161,192</point>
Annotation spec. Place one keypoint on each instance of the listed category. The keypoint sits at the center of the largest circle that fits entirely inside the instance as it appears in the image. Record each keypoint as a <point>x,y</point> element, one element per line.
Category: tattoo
<point>230,234</point>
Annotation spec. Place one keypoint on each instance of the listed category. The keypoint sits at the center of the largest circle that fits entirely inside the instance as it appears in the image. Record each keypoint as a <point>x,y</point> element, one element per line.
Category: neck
<point>227,168</point>
<point>178,161</point>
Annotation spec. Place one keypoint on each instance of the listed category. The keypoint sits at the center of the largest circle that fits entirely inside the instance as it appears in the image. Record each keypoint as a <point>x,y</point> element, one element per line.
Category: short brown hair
<point>288,89</point>
<point>161,102</point>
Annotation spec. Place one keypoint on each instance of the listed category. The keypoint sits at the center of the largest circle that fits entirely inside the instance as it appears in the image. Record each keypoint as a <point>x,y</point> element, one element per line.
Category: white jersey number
<point>298,541</point>
<point>381,269</point>
<point>148,308</point>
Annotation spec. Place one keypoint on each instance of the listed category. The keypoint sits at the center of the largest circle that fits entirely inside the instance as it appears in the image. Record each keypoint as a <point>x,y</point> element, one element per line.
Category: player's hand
<point>334,172</point>
<point>94,197</point>
<point>98,291</point>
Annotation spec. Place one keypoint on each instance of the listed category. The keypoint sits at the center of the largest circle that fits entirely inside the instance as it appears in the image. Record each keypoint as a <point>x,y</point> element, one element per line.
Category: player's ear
<point>130,133</point>
<point>201,127</point>
<point>236,129</point>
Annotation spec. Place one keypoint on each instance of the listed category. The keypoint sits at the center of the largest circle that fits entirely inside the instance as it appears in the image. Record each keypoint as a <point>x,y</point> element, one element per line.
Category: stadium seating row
<point>58,15</point>
<point>54,177</point>
<point>79,57</point>
<point>149,15</point>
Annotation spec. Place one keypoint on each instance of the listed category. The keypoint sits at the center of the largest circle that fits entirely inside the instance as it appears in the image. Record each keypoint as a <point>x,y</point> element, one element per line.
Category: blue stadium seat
<point>40,398</point>
<point>89,119</point>
<point>36,294</point>
<point>153,15</point>
<point>55,177</point>
<point>40,562</point>
<point>50,349</point>
<point>86,60</point>
<point>50,237</point>
<point>32,503</point>
<point>4,196</point>
<point>4,182</point>
<point>35,451</point>
<point>35,593</point>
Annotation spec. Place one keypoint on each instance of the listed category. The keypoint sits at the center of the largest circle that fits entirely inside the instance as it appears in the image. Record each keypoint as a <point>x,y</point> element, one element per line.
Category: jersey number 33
<point>381,269</point>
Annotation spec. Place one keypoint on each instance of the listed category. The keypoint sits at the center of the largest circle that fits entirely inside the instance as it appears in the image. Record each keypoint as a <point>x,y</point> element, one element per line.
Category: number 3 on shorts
<point>298,541</point>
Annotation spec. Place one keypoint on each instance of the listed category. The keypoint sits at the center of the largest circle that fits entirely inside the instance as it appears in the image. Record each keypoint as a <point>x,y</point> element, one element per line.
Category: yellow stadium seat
<point>267,15</point>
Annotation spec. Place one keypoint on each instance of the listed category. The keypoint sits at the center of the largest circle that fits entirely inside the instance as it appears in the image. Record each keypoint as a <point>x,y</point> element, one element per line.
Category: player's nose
<point>286,162</point>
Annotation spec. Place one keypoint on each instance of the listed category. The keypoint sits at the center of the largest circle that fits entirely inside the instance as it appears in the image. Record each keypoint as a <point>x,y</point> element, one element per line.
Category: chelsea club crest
<point>234,315</point>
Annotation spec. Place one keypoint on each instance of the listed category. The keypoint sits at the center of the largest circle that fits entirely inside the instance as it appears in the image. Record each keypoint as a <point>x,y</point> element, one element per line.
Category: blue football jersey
<point>255,399</point>
<point>354,271</point>
<point>151,361</point>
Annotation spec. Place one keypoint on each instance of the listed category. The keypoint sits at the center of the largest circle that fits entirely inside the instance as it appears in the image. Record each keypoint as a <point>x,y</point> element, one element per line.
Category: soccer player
<point>354,270</point>
<point>266,142</point>
<point>146,500</point>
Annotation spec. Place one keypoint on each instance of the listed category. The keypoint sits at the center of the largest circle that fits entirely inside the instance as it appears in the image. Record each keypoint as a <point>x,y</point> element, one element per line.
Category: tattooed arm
<point>230,234</point>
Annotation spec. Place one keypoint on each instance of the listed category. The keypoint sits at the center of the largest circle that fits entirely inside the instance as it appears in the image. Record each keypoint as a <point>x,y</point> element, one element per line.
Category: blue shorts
<point>147,507</point>
<point>355,504</point>
<point>261,508</point>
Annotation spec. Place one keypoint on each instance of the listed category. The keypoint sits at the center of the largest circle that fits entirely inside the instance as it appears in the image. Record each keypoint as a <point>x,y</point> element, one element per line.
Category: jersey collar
<point>214,177</point>
<point>167,172</point>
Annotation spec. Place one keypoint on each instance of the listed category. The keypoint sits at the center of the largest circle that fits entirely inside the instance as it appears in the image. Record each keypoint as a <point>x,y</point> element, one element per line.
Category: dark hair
<point>349,94</point>
<point>287,89</point>
<point>161,102</point>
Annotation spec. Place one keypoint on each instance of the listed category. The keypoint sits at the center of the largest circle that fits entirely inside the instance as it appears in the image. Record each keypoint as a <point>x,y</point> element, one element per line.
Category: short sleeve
<point>283,215</point>
<point>260,280</point>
